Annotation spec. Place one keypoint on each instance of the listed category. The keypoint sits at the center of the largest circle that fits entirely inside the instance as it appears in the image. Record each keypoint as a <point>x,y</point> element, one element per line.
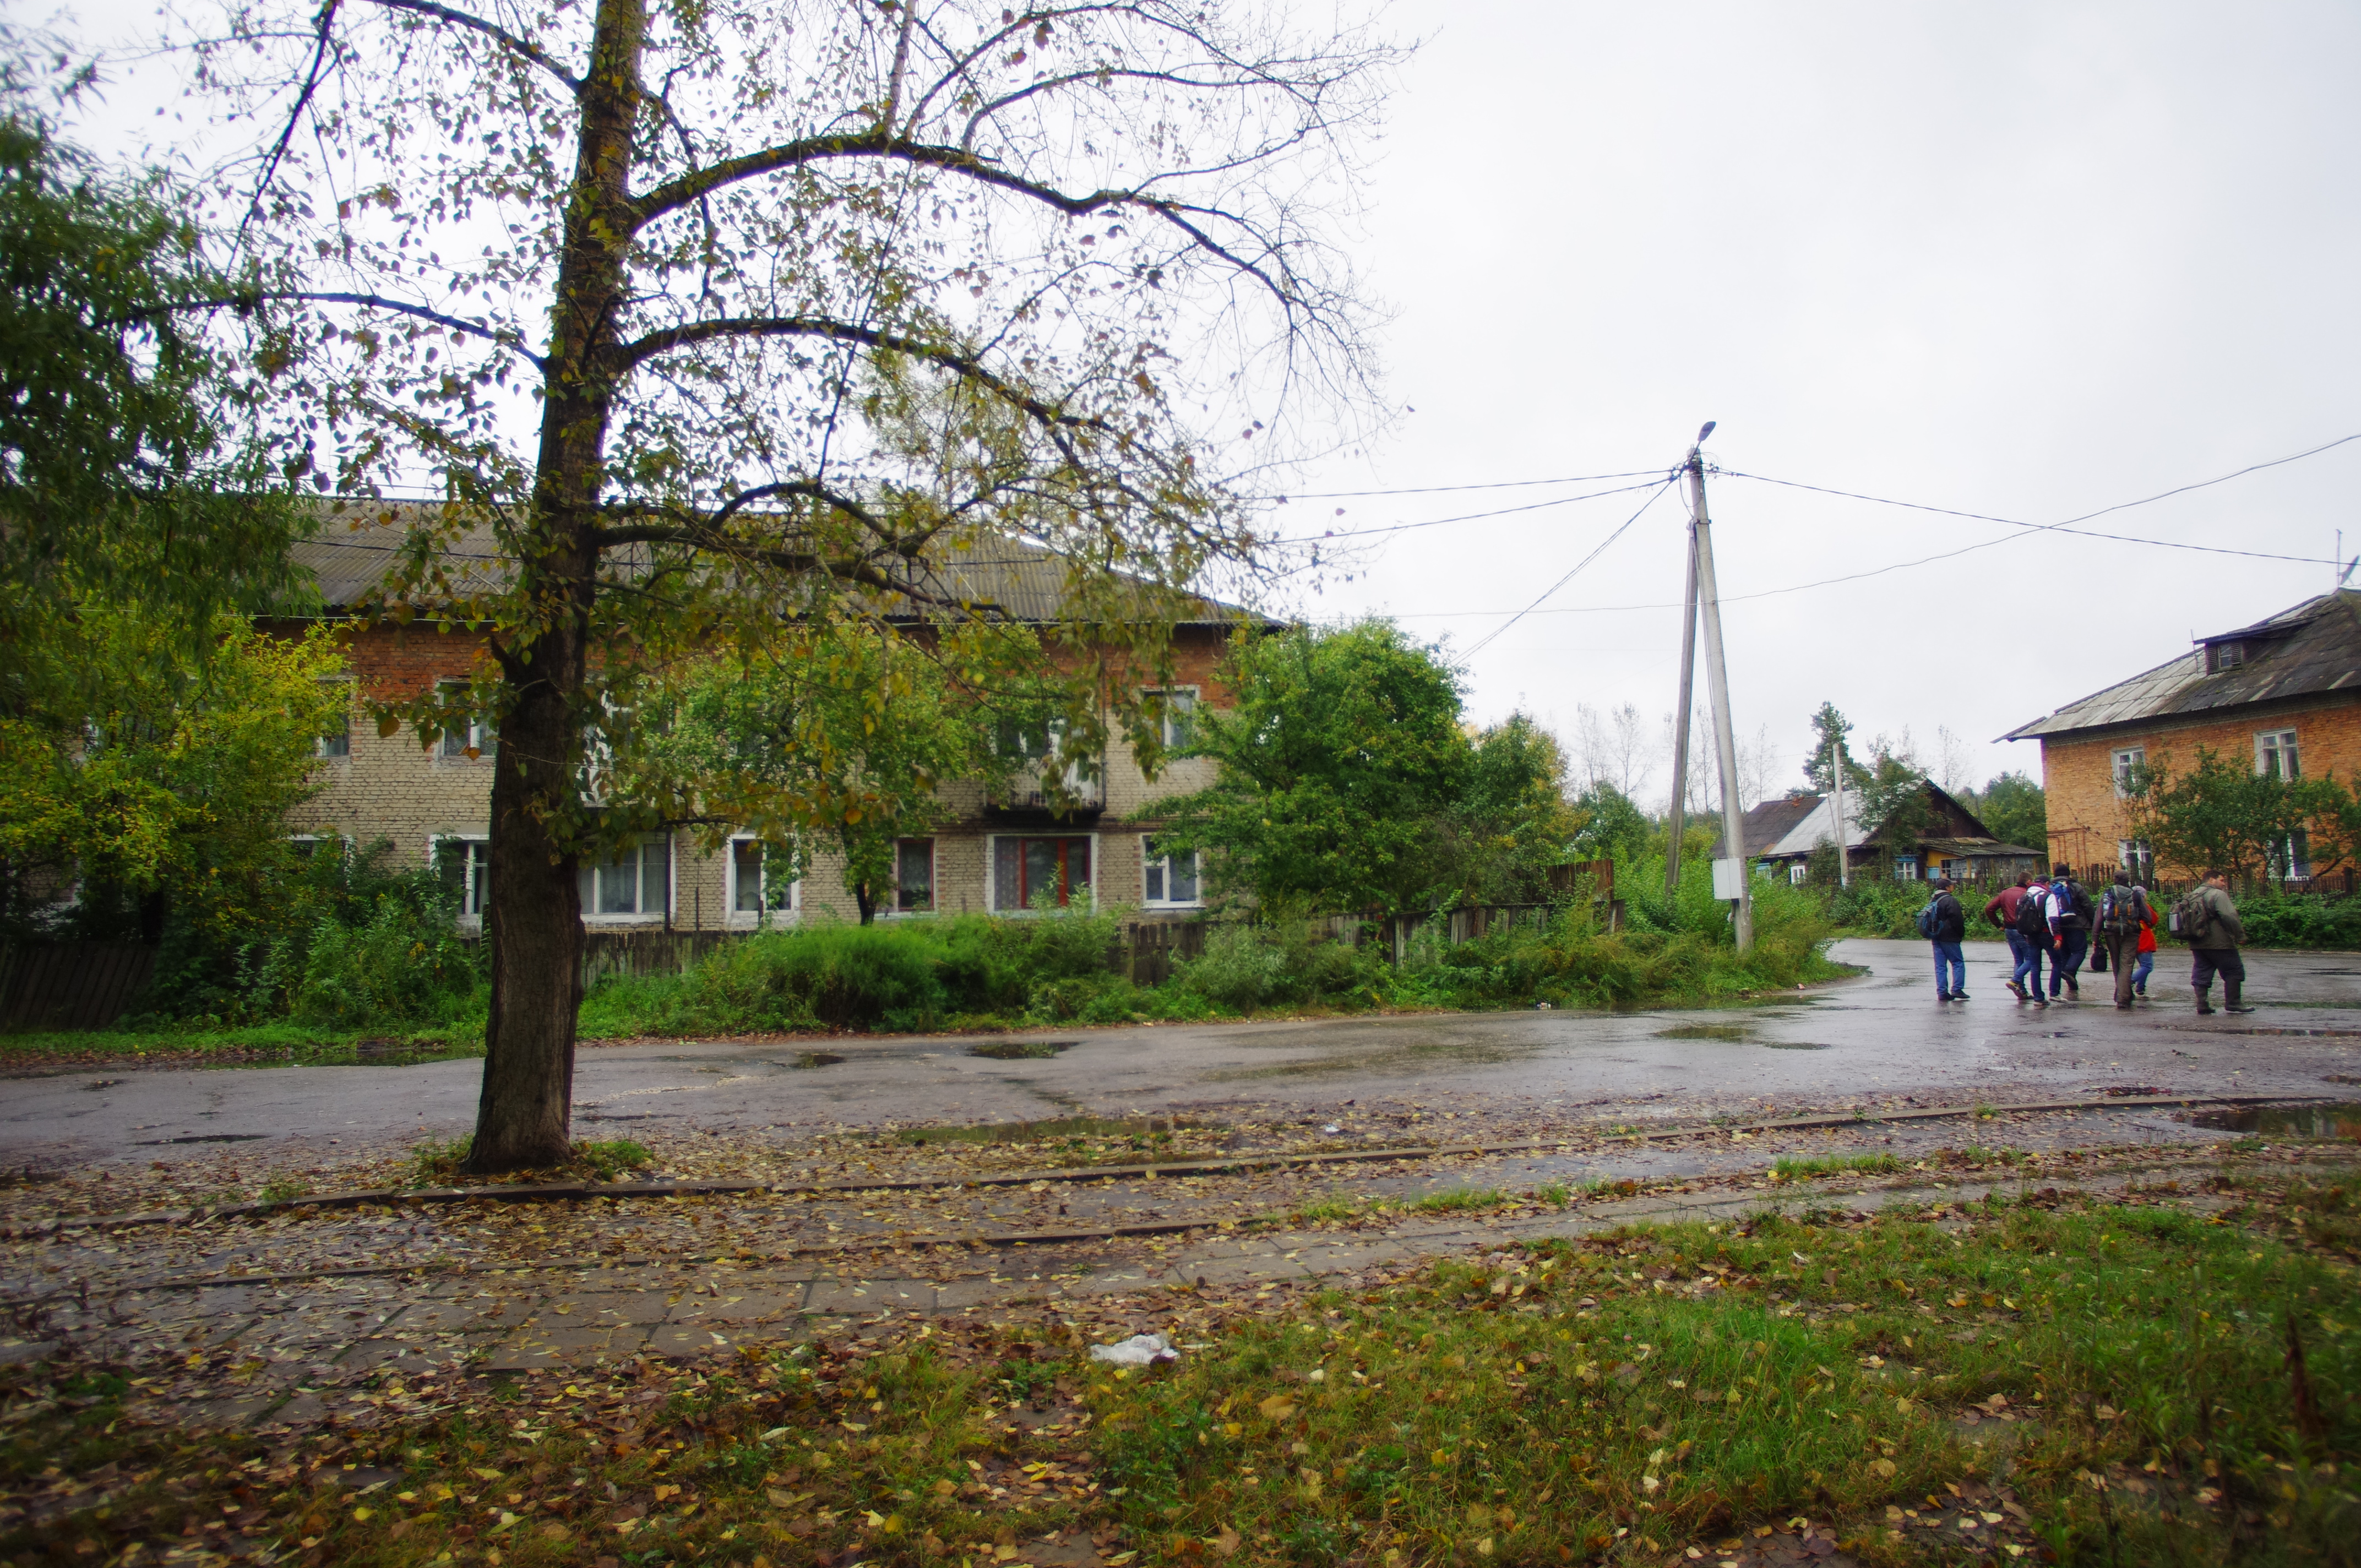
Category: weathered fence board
<point>78,986</point>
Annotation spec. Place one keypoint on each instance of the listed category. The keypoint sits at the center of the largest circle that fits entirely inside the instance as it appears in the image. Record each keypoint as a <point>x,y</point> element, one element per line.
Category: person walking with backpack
<point>2122,914</point>
<point>2069,923</point>
<point>2208,922</point>
<point>1944,922</point>
<point>2002,911</point>
<point>2146,952</point>
<point>2033,928</point>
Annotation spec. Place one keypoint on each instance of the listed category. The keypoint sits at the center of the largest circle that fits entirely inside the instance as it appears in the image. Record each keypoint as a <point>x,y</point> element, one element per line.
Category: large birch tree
<point>657,287</point>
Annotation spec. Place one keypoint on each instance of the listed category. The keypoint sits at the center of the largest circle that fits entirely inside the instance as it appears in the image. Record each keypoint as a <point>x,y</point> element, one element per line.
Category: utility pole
<point>1678,819</point>
<point>1717,677</point>
<point>1836,781</point>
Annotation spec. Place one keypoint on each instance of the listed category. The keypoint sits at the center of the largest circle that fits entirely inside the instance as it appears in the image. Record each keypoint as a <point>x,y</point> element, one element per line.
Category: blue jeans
<point>2027,953</point>
<point>1949,953</point>
<point>2066,957</point>
<point>2140,972</point>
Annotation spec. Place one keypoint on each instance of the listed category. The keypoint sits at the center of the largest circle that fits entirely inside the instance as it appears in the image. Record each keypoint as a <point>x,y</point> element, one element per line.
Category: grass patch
<point>260,1045</point>
<point>1458,1200</point>
<point>1787,1167</point>
<point>2121,1375</point>
<point>2104,1384</point>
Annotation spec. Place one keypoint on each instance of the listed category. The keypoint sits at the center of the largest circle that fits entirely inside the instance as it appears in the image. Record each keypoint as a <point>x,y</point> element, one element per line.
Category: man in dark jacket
<point>2069,925</point>
<point>2214,931</point>
<point>1950,928</point>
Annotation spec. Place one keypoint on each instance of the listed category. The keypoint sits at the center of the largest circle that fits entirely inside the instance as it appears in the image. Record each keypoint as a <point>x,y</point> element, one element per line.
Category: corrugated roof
<point>2312,649</point>
<point>357,548</point>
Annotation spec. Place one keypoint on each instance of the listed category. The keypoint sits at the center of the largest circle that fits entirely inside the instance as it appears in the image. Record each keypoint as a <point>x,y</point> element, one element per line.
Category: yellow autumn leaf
<point>1883,1467</point>
<point>1278,1408</point>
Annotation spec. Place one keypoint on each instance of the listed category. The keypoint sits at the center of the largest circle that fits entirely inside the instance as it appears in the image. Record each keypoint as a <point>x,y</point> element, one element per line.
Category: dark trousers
<point>2207,962</point>
<point>2122,950</point>
<point>2029,956</point>
<point>2066,957</point>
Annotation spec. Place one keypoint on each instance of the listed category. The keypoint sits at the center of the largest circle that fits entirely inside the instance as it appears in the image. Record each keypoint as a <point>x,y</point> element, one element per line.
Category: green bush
<point>405,965</point>
<point>1242,967</point>
<point>2300,920</point>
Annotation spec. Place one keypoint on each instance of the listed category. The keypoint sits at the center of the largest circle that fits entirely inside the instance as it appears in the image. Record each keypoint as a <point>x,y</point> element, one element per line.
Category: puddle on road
<point>1022,1051</point>
<point>816,1058</point>
<point>1734,1032</point>
<point>204,1138</point>
<point>2338,1121</point>
<point>1791,1046</point>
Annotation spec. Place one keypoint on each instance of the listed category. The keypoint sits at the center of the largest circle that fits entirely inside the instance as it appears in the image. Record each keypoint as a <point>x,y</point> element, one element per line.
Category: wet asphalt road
<point>1877,1039</point>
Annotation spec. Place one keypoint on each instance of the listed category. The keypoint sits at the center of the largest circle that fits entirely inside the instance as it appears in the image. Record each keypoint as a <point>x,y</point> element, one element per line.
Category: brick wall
<point>2086,816</point>
<point>390,787</point>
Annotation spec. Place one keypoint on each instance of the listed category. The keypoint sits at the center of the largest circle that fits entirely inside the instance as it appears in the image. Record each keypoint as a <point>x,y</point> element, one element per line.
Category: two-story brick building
<point>2284,693</point>
<point>433,803</point>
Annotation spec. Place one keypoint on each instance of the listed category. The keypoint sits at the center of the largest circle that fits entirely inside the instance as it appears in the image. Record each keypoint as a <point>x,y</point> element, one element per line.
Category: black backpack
<point>2192,917</point>
<point>2032,919</point>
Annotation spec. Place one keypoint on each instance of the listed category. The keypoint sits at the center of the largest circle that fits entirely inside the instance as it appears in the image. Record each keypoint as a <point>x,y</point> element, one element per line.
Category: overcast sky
<point>2025,260</point>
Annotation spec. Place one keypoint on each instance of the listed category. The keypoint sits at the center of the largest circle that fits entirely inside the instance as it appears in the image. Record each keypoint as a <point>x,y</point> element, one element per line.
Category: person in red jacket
<point>2147,950</point>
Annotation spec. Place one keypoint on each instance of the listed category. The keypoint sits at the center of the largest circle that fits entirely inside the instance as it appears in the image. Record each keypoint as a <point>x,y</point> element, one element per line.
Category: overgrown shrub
<point>406,964</point>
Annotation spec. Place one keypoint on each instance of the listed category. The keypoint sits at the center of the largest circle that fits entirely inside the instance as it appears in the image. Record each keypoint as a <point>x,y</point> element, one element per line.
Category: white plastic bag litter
<point>1139,1350</point>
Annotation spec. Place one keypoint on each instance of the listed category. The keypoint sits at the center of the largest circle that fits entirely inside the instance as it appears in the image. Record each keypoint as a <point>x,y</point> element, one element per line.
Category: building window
<point>754,891</point>
<point>2134,856</point>
<point>2127,762</point>
<point>1027,869</point>
<point>2275,755</point>
<point>1796,872</point>
<point>466,868</point>
<point>337,742</point>
<point>914,876</point>
<point>469,737</point>
<point>1170,881</point>
<point>1178,725</point>
<point>306,846</point>
<point>633,882</point>
<point>2291,856</point>
<point>1906,867</point>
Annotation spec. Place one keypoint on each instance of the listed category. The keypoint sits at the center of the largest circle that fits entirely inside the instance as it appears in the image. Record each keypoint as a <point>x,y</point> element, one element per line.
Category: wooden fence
<point>81,985</point>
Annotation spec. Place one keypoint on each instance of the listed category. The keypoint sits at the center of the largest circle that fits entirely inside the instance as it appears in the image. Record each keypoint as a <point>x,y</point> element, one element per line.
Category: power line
<point>2068,525</point>
<point>1654,477</point>
<point>1482,643</point>
<point>1480,485</point>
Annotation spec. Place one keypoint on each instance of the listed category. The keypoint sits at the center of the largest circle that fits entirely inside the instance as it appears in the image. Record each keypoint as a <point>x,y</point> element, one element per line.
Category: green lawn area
<point>2129,1384</point>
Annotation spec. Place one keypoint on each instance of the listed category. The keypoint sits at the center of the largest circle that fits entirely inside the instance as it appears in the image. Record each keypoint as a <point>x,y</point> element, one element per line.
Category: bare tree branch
<point>492,30</point>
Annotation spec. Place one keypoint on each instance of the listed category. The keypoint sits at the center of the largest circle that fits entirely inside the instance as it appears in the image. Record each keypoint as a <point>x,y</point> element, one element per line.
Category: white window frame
<point>2276,754</point>
<point>476,735</point>
<point>2124,761</point>
<point>343,845</point>
<point>1148,860</point>
<point>1796,872</point>
<point>476,870</point>
<point>1168,729</point>
<point>1906,867</point>
<point>992,873</point>
<point>2138,857</point>
<point>2291,856</point>
<point>934,878</point>
<point>790,897</point>
<point>591,912</point>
